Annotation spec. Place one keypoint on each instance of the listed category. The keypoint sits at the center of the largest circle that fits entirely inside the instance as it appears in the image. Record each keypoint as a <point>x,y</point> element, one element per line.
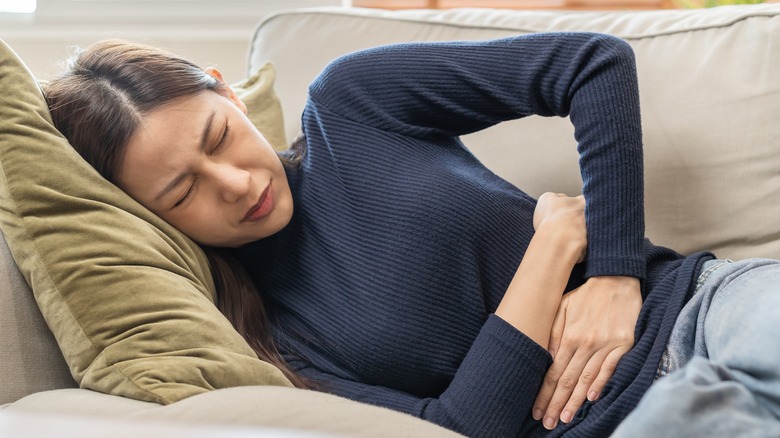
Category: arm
<point>436,90</point>
<point>492,392</point>
<point>592,330</point>
<point>534,295</point>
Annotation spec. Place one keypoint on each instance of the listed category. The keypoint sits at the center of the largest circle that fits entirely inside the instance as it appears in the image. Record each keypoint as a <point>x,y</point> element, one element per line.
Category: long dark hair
<point>98,104</point>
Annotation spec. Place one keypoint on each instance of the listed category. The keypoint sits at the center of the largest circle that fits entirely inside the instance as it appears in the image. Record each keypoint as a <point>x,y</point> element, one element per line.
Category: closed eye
<point>222,140</point>
<point>189,192</point>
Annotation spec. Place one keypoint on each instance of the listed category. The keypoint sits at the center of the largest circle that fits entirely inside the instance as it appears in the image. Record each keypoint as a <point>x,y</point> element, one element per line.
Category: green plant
<point>713,3</point>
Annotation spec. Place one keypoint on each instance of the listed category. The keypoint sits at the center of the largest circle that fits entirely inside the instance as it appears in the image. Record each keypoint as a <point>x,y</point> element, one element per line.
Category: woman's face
<point>201,165</point>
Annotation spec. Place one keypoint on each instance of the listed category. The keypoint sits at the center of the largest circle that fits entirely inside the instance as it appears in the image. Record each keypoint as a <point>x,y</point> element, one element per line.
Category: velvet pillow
<point>263,107</point>
<point>129,299</point>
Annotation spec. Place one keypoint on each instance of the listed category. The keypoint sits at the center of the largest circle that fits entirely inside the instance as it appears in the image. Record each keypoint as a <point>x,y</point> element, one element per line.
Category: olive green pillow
<point>262,104</point>
<point>129,299</point>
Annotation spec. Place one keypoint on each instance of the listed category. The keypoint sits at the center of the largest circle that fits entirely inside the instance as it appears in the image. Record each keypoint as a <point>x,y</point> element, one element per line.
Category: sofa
<point>710,99</point>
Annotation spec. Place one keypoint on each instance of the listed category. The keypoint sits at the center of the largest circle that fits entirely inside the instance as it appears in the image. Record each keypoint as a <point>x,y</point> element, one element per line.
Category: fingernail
<point>538,414</point>
<point>549,423</point>
<point>566,416</point>
<point>593,395</point>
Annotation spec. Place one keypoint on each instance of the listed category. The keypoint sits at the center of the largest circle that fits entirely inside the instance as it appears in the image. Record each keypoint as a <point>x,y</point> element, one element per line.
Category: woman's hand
<point>533,297</point>
<point>593,329</point>
<point>566,214</point>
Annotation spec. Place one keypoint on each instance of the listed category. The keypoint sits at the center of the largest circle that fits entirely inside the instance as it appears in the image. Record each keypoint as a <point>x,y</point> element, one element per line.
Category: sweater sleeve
<point>491,394</point>
<point>448,89</point>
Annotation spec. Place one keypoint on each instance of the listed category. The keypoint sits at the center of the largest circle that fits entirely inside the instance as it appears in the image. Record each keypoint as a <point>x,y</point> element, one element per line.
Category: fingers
<point>556,332</point>
<point>550,384</point>
<point>592,380</point>
<point>575,398</point>
<point>572,385</point>
<point>583,378</point>
<point>550,381</point>
<point>607,370</point>
<point>598,331</point>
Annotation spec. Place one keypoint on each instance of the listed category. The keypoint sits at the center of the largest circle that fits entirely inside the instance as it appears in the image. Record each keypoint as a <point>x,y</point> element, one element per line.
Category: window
<point>154,12</point>
<point>18,6</point>
<point>516,4</point>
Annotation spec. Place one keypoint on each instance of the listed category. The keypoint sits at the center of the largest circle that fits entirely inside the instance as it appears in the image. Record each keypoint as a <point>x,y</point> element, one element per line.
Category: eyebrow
<point>204,139</point>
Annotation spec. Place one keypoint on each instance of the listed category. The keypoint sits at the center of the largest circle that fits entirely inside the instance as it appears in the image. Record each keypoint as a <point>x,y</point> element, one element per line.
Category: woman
<point>395,268</point>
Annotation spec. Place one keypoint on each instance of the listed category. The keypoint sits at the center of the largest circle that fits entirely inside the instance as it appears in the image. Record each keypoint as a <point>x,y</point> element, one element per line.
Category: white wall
<point>209,32</point>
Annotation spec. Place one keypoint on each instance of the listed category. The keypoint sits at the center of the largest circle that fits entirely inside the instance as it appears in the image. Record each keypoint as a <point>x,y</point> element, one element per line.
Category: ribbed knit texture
<point>402,244</point>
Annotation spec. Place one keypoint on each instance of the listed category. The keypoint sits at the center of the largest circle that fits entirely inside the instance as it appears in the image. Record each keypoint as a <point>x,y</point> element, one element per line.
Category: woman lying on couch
<point>377,258</point>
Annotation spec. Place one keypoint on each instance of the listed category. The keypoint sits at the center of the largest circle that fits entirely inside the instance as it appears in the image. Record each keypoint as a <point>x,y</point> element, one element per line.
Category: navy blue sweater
<point>402,244</point>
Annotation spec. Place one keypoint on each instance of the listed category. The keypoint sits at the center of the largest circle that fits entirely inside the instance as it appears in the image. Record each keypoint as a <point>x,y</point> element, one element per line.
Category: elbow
<point>606,58</point>
<point>614,48</point>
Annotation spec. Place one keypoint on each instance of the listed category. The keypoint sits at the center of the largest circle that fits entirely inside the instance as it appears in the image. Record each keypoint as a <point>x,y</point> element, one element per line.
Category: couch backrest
<point>710,97</point>
<point>710,102</point>
<point>31,360</point>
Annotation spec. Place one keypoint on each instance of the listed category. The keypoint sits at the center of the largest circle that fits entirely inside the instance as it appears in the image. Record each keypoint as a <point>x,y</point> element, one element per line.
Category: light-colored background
<point>209,32</point>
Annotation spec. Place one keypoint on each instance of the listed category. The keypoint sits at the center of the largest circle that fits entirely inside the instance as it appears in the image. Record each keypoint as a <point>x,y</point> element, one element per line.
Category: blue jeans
<point>720,373</point>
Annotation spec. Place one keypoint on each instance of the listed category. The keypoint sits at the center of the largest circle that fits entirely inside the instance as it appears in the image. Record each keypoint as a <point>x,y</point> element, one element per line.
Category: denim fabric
<point>720,373</point>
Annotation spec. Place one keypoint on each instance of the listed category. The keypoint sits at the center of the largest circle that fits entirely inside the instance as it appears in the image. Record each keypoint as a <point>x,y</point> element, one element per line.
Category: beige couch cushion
<point>31,360</point>
<point>710,101</point>
<point>128,298</point>
<point>267,406</point>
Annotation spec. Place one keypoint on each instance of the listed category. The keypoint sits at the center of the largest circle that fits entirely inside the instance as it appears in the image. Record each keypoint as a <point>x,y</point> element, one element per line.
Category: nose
<point>233,183</point>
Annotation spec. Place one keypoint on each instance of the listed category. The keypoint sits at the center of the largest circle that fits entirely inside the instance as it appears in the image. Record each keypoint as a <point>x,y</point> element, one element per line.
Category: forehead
<point>174,123</point>
<point>166,141</point>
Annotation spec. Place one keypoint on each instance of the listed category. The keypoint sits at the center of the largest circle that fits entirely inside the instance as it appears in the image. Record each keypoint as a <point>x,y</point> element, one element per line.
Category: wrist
<point>617,284</point>
<point>570,242</point>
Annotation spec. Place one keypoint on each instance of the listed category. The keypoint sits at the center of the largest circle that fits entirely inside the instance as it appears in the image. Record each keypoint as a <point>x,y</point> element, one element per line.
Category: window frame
<point>163,11</point>
<point>13,13</point>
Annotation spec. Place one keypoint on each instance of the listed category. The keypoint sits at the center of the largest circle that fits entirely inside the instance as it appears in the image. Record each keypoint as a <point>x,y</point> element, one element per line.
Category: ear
<point>229,93</point>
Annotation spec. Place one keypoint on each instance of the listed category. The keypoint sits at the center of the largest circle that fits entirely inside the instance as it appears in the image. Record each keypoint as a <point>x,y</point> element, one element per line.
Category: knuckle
<point>591,342</point>
<point>567,383</point>
<point>555,407</point>
<point>587,377</point>
<point>570,338</point>
<point>556,369</point>
<point>545,197</point>
<point>610,365</point>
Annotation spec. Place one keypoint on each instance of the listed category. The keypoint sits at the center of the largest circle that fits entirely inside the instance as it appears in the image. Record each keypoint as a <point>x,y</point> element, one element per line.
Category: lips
<point>263,207</point>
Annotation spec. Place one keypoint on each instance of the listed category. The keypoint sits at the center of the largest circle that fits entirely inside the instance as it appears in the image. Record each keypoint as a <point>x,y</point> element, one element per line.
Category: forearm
<point>449,89</point>
<point>610,145</point>
<point>490,395</point>
<point>535,292</point>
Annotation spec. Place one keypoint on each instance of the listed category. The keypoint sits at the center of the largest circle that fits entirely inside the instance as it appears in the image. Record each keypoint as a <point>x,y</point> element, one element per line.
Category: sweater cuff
<point>616,267</point>
<point>501,375</point>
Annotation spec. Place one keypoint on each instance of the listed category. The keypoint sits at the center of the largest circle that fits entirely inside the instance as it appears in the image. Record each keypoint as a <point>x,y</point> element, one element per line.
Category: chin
<point>234,241</point>
<point>277,222</point>
<point>280,220</point>
<point>282,215</point>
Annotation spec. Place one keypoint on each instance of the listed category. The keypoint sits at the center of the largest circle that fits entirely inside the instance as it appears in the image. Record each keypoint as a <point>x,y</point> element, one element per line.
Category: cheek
<point>259,145</point>
<point>195,222</point>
